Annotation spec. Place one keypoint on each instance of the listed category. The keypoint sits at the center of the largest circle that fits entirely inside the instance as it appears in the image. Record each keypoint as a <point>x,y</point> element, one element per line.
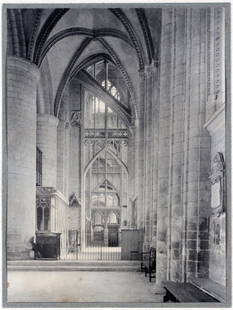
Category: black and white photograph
<point>116,122</point>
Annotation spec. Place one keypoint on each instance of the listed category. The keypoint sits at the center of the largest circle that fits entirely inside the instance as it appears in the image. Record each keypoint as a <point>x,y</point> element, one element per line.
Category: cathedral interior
<point>115,146</point>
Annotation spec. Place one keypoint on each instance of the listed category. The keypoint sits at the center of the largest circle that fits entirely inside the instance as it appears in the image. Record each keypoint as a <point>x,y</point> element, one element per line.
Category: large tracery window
<point>100,116</point>
<point>105,153</point>
<point>112,89</point>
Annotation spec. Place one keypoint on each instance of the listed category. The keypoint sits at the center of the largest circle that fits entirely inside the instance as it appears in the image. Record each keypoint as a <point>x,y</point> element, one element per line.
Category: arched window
<point>39,218</point>
<point>99,115</point>
<point>112,89</point>
<point>43,214</point>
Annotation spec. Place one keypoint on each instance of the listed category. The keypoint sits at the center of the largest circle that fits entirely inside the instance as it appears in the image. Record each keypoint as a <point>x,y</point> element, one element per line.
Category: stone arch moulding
<point>16,30</point>
<point>120,162</point>
<point>74,31</point>
<point>32,40</point>
<point>90,60</point>
<point>109,183</point>
<point>124,73</point>
<point>67,73</point>
<point>135,40</point>
<point>147,34</point>
<point>45,31</point>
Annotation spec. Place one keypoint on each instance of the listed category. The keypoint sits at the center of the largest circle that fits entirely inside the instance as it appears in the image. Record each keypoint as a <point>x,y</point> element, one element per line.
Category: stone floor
<point>79,286</point>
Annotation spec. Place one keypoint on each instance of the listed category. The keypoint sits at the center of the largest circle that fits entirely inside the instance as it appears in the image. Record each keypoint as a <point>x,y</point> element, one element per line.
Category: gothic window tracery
<point>43,213</point>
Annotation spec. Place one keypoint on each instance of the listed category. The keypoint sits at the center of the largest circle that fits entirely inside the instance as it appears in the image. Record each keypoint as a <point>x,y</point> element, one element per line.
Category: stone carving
<point>43,202</point>
<point>74,201</point>
<point>75,118</point>
<point>217,236</point>
<point>44,191</point>
<point>217,169</point>
<point>217,182</point>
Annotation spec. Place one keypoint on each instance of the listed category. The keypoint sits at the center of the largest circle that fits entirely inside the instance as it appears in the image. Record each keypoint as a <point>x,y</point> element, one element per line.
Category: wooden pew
<point>210,287</point>
<point>197,290</point>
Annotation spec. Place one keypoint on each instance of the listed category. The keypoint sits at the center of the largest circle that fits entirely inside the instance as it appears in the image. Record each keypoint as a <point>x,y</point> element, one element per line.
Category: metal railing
<point>96,249</point>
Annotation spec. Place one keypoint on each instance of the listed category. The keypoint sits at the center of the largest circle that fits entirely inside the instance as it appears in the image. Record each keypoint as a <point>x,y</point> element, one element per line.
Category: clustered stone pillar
<point>22,79</point>
<point>47,143</point>
<point>150,102</point>
<point>177,129</point>
<point>197,190</point>
<point>139,147</point>
<point>164,150</point>
<point>184,148</point>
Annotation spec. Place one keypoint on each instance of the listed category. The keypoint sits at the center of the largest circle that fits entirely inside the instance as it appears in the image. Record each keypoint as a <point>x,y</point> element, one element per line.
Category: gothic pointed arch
<point>99,153</point>
<point>108,184</point>
<point>67,73</point>
<point>71,71</point>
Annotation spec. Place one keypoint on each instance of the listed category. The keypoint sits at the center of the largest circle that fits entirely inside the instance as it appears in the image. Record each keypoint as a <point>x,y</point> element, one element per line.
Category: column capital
<point>148,70</point>
<point>50,119</point>
<point>63,124</point>
<point>23,64</point>
<point>75,118</point>
<point>151,69</point>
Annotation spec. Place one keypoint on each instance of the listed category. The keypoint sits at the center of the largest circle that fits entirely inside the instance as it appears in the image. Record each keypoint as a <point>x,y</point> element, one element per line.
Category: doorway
<point>113,240</point>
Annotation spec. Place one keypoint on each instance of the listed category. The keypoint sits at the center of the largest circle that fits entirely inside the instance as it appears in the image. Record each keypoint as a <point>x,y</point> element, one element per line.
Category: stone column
<point>184,148</point>
<point>74,164</point>
<point>197,153</point>
<point>139,147</point>
<point>164,150</point>
<point>177,129</point>
<point>22,78</point>
<point>148,102</point>
<point>63,137</point>
<point>47,143</point>
<point>61,155</point>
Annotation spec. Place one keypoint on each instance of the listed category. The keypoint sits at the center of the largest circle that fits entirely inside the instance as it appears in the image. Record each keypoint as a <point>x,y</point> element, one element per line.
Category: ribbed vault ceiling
<point>66,37</point>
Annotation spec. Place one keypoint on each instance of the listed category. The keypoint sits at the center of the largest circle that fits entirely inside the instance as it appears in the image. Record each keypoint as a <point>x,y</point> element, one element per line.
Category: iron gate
<point>97,248</point>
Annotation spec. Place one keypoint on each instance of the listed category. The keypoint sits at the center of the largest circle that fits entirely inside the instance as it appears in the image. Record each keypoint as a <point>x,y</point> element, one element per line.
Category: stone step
<point>74,268</point>
<point>65,265</point>
<point>73,262</point>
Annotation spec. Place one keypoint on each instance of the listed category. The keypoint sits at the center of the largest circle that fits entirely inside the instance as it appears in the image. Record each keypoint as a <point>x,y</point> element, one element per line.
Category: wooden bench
<point>149,263</point>
<point>210,287</point>
<point>197,290</point>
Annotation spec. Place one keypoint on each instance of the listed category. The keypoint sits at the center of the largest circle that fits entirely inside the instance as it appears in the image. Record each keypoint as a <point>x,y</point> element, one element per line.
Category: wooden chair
<point>149,263</point>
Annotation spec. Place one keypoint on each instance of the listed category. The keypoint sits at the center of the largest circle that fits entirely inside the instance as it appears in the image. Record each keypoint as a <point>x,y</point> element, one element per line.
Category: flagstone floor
<point>79,286</point>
